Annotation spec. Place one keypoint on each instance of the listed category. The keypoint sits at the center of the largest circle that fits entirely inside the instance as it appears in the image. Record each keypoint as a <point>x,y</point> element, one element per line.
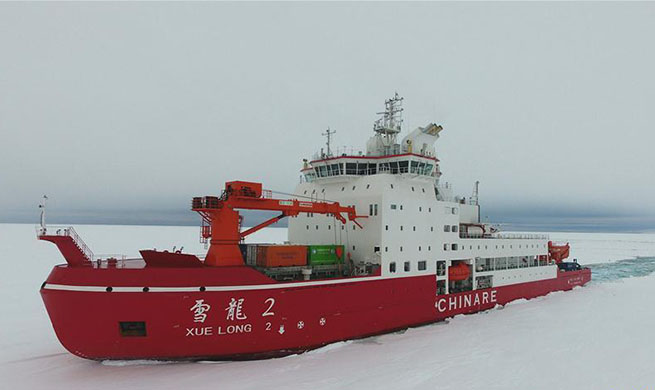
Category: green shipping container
<point>325,254</point>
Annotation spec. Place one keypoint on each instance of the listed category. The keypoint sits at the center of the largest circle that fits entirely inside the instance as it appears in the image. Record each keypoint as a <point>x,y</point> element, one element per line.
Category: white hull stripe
<point>66,287</point>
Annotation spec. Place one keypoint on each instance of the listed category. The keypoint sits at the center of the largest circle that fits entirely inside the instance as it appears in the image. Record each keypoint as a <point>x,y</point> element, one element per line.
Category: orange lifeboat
<point>558,252</point>
<point>459,271</point>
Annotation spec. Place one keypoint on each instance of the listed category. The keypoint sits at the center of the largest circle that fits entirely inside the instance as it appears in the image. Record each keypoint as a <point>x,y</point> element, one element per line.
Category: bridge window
<point>428,170</point>
<point>393,166</point>
<point>310,177</point>
<point>351,168</point>
<point>402,167</point>
<point>414,167</point>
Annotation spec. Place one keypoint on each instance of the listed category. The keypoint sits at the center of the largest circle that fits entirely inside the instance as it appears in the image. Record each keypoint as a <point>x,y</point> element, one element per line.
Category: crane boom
<point>224,221</point>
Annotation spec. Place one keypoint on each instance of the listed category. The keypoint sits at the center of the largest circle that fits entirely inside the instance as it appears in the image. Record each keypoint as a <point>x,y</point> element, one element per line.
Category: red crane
<point>223,222</point>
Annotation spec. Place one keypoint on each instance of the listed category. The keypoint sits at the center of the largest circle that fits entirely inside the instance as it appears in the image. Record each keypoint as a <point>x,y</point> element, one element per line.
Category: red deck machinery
<point>222,223</point>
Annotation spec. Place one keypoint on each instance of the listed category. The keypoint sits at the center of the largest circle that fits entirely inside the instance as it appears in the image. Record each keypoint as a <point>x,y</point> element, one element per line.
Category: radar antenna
<point>328,134</point>
<point>391,121</point>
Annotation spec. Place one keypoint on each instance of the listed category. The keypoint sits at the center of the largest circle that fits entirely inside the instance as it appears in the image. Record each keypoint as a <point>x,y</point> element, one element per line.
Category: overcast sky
<point>119,106</point>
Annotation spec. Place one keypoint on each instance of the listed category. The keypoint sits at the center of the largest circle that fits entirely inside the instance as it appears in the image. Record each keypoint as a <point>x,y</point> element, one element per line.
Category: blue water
<point>607,272</point>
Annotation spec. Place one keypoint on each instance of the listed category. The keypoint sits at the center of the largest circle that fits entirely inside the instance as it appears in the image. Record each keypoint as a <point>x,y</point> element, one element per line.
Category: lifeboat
<point>558,252</point>
<point>458,272</point>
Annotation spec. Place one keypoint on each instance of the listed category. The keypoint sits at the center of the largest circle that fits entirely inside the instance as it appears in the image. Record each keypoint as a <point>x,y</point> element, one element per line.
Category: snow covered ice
<point>597,337</point>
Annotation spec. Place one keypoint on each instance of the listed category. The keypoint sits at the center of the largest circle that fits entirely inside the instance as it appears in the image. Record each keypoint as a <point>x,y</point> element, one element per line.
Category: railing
<point>525,236</point>
<point>512,236</point>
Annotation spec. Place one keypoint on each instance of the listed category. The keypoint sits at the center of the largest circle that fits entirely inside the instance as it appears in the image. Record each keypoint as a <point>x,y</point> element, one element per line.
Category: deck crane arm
<point>225,222</point>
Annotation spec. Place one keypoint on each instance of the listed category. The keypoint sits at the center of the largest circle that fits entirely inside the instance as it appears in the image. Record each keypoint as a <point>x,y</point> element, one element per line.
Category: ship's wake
<point>608,272</point>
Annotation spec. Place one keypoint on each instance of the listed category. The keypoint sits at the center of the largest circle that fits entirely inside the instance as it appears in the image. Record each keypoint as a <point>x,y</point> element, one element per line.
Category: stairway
<point>69,243</point>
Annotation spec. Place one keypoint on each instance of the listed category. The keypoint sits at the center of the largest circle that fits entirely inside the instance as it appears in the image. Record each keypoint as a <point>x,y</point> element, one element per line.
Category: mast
<point>390,124</point>
<point>42,207</point>
<point>328,134</point>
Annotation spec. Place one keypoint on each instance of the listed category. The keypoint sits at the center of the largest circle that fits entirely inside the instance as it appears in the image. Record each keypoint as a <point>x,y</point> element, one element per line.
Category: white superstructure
<point>415,225</point>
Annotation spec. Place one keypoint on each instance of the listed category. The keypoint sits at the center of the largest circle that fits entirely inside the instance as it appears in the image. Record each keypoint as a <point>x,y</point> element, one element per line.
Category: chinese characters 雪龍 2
<point>199,310</point>
<point>234,309</point>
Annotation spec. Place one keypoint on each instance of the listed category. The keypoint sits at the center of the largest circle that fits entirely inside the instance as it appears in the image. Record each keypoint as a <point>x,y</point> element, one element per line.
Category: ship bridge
<point>415,154</point>
<point>348,165</point>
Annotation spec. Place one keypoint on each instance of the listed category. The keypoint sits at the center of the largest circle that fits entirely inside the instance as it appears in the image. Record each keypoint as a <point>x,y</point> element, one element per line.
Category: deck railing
<point>511,236</point>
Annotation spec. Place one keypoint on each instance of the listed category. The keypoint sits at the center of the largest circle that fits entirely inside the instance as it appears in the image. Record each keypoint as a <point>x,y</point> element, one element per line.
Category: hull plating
<point>258,321</point>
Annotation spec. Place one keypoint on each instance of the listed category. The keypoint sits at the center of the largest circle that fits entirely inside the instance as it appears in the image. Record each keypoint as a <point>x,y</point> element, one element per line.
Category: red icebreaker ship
<point>416,254</point>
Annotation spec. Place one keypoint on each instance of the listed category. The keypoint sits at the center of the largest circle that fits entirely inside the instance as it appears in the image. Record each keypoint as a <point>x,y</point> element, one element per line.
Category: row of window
<point>407,266</point>
<point>386,248</point>
<point>501,263</point>
<point>369,168</point>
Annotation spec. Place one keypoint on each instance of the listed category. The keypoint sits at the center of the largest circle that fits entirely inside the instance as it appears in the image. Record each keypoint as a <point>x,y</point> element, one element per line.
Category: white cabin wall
<point>468,213</point>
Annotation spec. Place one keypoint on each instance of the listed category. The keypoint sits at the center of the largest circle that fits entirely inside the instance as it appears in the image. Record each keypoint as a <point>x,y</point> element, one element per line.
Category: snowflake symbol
<point>301,324</point>
<point>322,321</point>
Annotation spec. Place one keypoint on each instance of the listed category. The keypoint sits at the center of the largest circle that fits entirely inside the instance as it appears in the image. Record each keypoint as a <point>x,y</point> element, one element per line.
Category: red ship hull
<point>238,313</point>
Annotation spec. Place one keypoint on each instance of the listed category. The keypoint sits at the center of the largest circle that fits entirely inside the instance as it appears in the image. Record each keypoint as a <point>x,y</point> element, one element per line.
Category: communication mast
<point>390,124</point>
<point>391,121</point>
<point>475,197</point>
<point>328,134</point>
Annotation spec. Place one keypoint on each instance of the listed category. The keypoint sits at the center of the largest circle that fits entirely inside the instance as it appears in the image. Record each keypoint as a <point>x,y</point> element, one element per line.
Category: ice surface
<point>597,337</point>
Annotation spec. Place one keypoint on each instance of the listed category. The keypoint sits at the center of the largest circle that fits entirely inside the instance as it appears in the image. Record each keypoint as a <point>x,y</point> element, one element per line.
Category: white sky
<point>118,105</point>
